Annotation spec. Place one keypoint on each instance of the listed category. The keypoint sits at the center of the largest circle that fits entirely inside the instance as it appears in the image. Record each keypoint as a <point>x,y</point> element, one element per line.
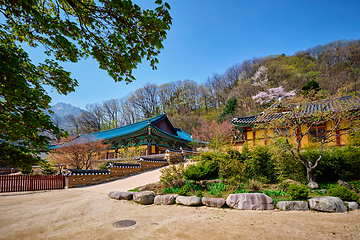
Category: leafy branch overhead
<point>118,33</point>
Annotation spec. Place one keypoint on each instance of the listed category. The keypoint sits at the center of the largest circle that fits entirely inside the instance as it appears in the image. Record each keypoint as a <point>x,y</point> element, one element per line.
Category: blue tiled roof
<point>183,135</point>
<point>124,130</point>
<point>131,128</point>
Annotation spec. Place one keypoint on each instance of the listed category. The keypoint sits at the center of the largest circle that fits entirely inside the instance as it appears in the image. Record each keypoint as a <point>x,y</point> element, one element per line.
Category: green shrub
<point>298,192</point>
<point>206,168</point>
<point>343,193</point>
<point>274,193</point>
<point>105,165</point>
<point>170,190</point>
<point>241,191</point>
<point>184,190</point>
<point>287,167</point>
<point>232,167</point>
<point>200,194</point>
<point>196,173</point>
<point>46,168</point>
<point>356,184</point>
<point>171,176</point>
<point>216,189</point>
<point>336,163</point>
<point>254,185</point>
<point>260,164</point>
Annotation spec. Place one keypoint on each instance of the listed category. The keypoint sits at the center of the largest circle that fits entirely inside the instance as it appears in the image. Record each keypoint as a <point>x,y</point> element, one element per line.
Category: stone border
<point>241,201</point>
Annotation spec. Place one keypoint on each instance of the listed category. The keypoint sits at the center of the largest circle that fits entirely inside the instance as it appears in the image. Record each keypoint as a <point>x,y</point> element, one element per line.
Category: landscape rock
<point>213,202</point>
<point>250,201</point>
<point>142,188</point>
<point>114,194</point>
<point>290,181</point>
<point>121,195</point>
<point>345,184</point>
<point>126,195</point>
<point>327,204</point>
<point>293,205</point>
<point>145,197</point>
<point>352,206</point>
<point>165,199</point>
<point>313,185</point>
<point>188,201</point>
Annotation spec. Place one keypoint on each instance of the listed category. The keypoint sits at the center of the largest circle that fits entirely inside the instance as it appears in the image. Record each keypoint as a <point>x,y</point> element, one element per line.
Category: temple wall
<point>121,171</point>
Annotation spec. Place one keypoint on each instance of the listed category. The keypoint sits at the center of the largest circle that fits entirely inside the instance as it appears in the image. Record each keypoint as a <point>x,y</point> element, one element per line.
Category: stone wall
<point>78,178</point>
<point>84,180</point>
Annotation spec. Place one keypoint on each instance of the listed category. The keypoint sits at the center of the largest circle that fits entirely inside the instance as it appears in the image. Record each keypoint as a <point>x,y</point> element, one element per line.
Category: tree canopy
<point>117,33</point>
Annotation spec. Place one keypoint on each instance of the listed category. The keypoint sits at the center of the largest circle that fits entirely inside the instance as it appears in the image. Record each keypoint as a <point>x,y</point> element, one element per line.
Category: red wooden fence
<point>17,183</point>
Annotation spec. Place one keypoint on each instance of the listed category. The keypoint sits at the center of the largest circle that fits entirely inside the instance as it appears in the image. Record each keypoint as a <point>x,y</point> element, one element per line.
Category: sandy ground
<point>79,214</point>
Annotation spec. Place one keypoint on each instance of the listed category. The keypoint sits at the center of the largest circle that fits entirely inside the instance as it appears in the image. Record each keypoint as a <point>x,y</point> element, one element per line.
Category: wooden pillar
<point>157,149</point>
<point>148,151</point>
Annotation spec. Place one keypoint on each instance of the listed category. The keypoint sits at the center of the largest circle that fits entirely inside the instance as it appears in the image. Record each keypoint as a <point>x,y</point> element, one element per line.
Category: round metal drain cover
<point>124,223</point>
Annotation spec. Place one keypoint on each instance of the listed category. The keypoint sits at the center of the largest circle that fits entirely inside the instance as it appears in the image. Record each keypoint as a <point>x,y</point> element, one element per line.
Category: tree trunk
<point>310,177</point>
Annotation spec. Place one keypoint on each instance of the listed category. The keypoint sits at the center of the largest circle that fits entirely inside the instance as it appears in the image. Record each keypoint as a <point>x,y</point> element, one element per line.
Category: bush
<point>254,185</point>
<point>298,192</point>
<point>232,167</point>
<point>200,194</point>
<point>260,164</point>
<point>170,190</point>
<point>105,165</point>
<point>287,167</point>
<point>171,176</point>
<point>197,173</point>
<point>46,168</point>
<point>343,193</point>
<point>216,189</point>
<point>206,168</point>
<point>336,163</point>
<point>184,190</point>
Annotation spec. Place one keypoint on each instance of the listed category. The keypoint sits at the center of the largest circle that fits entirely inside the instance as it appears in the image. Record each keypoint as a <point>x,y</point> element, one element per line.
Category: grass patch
<point>134,190</point>
<point>216,189</point>
<point>170,190</point>
<point>241,191</point>
<point>277,195</point>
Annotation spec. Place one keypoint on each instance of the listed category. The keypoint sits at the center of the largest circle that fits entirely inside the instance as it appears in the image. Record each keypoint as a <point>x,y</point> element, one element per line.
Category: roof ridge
<point>131,124</point>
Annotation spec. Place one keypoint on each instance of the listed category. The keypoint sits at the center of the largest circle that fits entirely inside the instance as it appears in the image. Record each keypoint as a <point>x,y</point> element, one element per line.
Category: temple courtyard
<point>82,213</point>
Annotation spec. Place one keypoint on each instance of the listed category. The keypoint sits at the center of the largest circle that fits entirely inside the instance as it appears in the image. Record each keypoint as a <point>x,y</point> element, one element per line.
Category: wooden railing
<point>18,183</point>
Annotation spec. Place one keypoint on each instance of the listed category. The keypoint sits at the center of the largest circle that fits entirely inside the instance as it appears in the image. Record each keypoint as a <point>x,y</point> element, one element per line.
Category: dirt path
<point>79,214</point>
<point>127,183</point>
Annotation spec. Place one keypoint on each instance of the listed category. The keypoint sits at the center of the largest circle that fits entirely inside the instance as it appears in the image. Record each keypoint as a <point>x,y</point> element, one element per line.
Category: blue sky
<point>209,36</point>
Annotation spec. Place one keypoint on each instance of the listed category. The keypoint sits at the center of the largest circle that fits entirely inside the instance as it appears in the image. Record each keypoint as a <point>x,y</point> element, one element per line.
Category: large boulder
<point>327,204</point>
<point>250,201</point>
<point>293,205</point>
<point>145,197</point>
<point>121,195</point>
<point>165,199</point>
<point>188,201</point>
<point>213,202</point>
<point>352,206</point>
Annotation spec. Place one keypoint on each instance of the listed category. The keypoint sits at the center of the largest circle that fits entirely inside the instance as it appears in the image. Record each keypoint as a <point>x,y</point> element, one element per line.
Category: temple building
<point>151,136</point>
<point>246,129</point>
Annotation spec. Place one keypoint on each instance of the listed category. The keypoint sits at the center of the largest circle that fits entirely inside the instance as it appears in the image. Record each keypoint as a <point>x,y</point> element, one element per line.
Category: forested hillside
<point>187,103</point>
